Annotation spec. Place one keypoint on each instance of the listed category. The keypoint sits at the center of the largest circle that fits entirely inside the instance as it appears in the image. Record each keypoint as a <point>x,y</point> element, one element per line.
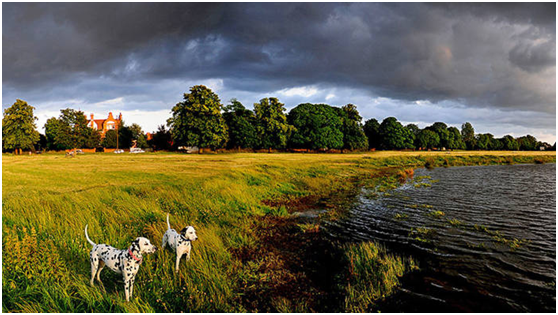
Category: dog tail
<point>87,236</point>
<point>168,224</point>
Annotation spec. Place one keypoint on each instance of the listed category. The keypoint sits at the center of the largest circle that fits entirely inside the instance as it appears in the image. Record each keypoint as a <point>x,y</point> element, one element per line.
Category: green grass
<point>48,199</point>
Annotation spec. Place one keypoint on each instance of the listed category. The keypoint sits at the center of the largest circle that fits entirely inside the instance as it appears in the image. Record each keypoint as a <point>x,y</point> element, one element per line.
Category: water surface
<point>499,253</point>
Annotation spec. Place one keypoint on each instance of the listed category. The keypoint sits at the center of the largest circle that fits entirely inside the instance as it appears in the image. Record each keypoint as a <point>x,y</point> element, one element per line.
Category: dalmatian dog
<point>125,262</point>
<point>181,242</point>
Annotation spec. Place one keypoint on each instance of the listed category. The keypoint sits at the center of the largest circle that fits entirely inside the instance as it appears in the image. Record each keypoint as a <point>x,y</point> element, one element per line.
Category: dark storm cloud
<point>481,55</point>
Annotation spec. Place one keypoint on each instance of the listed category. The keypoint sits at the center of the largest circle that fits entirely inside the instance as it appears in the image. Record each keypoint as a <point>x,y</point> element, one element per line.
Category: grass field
<point>251,256</point>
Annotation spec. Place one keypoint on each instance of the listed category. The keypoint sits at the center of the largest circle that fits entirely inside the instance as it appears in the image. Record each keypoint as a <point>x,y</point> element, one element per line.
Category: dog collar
<point>134,256</point>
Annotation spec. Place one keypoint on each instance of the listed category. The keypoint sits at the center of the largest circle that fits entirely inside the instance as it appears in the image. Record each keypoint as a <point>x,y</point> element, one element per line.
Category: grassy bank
<point>251,256</point>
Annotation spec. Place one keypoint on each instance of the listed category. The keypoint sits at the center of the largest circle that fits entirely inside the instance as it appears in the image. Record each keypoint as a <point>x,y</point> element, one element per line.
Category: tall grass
<point>47,200</point>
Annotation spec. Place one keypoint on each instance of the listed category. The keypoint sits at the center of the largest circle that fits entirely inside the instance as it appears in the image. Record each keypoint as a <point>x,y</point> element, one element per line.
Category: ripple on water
<point>499,255</point>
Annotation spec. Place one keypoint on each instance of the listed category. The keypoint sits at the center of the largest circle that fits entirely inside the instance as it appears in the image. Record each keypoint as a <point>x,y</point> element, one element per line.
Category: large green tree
<point>241,123</point>
<point>442,130</point>
<point>427,139</point>
<point>527,143</point>
<point>394,136</point>
<point>354,137</point>
<point>455,140</point>
<point>316,126</point>
<point>110,140</point>
<point>484,141</point>
<point>509,143</point>
<point>18,127</point>
<point>197,121</point>
<point>468,135</point>
<point>372,131</point>
<point>70,131</point>
<point>273,129</point>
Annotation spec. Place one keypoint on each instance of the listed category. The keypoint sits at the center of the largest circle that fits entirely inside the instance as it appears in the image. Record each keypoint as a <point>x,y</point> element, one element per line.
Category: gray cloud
<point>499,56</point>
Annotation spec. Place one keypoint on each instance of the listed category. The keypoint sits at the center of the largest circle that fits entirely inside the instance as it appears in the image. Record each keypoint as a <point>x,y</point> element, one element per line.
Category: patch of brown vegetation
<point>293,265</point>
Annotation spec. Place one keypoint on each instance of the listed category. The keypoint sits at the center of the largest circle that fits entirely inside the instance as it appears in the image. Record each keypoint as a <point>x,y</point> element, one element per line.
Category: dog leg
<point>101,266</point>
<point>178,256</point>
<point>165,239</point>
<point>127,287</point>
<point>94,266</point>
<point>132,280</point>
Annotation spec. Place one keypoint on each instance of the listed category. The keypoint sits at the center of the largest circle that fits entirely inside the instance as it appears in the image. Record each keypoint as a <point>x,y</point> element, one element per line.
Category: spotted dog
<point>180,243</point>
<point>125,262</point>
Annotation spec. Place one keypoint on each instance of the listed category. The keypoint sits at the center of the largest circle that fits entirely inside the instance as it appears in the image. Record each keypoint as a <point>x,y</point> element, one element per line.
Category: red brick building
<point>104,125</point>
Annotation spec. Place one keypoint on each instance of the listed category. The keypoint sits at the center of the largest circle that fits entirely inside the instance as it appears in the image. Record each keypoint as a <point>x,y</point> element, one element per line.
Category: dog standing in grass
<point>125,262</point>
<point>181,242</point>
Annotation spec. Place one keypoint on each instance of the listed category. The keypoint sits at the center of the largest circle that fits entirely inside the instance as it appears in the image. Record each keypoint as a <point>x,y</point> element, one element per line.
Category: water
<point>463,267</point>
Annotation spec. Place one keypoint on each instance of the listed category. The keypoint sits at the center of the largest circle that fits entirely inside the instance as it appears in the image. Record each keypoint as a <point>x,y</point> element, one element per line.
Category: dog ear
<point>183,231</point>
<point>135,244</point>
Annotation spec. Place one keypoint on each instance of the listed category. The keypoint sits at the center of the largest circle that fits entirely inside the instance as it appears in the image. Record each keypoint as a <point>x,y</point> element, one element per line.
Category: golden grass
<point>48,199</point>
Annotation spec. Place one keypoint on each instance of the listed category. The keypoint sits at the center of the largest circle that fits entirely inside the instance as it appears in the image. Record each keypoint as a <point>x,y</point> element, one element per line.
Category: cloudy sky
<point>493,65</point>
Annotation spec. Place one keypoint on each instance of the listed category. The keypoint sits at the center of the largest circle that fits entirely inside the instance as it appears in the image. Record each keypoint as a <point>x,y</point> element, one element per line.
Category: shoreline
<point>241,206</point>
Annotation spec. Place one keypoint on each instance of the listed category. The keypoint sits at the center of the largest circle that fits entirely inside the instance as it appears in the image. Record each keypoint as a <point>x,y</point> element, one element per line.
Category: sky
<point>491,64</point>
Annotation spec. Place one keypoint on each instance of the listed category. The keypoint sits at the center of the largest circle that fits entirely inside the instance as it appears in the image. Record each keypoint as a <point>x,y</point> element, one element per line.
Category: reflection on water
<point>485,238</point>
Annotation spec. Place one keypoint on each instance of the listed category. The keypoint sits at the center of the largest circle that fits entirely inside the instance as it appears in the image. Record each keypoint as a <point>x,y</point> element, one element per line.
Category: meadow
<point>252,253</point>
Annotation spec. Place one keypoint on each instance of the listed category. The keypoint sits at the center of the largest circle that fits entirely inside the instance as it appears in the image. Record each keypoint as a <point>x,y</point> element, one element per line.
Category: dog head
<point>143,245</point>
<point>189,233</point>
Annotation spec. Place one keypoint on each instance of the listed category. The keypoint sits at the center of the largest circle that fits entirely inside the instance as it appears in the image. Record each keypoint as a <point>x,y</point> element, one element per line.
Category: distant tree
<point>394,136</point>
<point>131,133</point>
<point>354,137</point>
<point>497,144</point>
<point>427,139</point>
<point>52,126</point>
<point>241,123</point>
<point>272,127</point>
<point>197,121</point>
<point>316,126</point>
<point>455,141</point>
<point>109,141</point>
<point>413,128</point>
<point>372,131</point>
<point>442,130</point>
<point>527,143</point>
<point>468,135</point>
<point>509,143</point>
<point>42,144</point>
<point>18,127</point>
<point>553,147</point>
<point>162,139</point>
<point>484,141</point>
<point>71,130</point>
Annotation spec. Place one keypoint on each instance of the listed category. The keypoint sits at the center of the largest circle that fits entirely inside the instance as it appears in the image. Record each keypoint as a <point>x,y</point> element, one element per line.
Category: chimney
<point>110,116</point>
<point>120,116</point>
<point>91,116</point>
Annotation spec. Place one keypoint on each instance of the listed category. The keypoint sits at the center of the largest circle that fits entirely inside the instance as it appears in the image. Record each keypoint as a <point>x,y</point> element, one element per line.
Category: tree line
<point>202,121</point>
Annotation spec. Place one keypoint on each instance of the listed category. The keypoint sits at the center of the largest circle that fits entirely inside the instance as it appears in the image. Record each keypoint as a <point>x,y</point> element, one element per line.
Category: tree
<point>52,126</point>
<point>527,143</point>
<point>241,123</point>
<point>197,121</point>
<point>272,126</point>
<point>484,141</point>
<point>162,139</point>
<point>110,141</point>
<point>427,139</point>
<point>468,135</point>
<point>394,136</point>
<point>316,126</point>
<point>72,131</point>
<point>413,128</point>
<point>18,127</point>
<point>509,143</point>
<point>455,141</point>
<point>442,130</point>
<point>353,133</point>
<point>372,131</point>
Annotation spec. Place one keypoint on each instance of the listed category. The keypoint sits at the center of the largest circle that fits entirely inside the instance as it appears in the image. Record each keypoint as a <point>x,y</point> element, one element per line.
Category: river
<point>484,237</point>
